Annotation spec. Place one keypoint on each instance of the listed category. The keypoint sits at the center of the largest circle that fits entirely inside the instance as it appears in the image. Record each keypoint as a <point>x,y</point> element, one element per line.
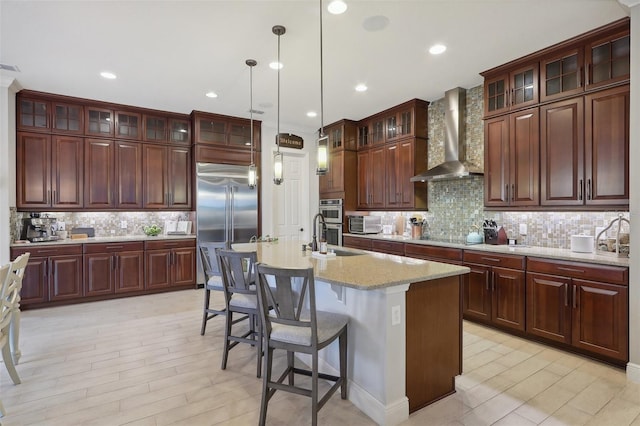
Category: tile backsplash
<point>106,224</point>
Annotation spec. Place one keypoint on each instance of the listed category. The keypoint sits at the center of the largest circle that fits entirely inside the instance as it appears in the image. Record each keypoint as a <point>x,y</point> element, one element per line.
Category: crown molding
<point>629,3</point>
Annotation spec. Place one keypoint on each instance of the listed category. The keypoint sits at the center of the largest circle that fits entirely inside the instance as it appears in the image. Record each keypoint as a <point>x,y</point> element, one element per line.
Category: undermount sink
<point>346,253</point>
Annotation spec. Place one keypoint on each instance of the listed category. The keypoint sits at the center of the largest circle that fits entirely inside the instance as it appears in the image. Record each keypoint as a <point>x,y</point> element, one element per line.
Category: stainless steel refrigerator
<point>226,209</point>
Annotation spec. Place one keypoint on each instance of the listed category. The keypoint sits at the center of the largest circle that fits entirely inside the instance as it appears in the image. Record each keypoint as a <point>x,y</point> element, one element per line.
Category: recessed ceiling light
<point>361,88</point>
<point>211,95</point>
<point>337,7</point>
<point>108,75</point>
<point>437,49</point>
<point>276,65</point>
<point>312,114</point>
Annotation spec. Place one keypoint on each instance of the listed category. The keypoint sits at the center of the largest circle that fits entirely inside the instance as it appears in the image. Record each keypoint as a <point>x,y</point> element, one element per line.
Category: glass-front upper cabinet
<point>155,128</point>
<point>33,114</point>
<point>240,135</point>
<point>68,118</point>
<point>128,125</point>
<point>377,131</point>
<point>561,74</point>
<point>211,131</point>
<point>363,135</point>
<point>608,59</point>
<point>513,90</point>
<point>179,131</point>
<point>406,123</point>
<point>392,127</point>
<point>99,121</point>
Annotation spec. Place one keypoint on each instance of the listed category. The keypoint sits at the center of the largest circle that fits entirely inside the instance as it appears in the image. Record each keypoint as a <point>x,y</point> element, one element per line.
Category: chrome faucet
<point>314,241</point>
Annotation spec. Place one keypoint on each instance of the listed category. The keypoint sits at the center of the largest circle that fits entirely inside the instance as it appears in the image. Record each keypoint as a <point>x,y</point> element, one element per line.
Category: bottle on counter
<point>323,245</point>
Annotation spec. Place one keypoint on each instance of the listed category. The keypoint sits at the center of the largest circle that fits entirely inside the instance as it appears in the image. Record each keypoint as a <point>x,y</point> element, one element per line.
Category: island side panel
<point>434,340</point>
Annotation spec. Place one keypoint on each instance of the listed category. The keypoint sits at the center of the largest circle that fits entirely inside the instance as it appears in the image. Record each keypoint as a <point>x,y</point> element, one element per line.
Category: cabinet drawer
<point>357,242</point>
<point>112,247</point>
<point>610,274</point>
<point>390,247</point>
<point>494,259</point>
<point>168,244</point>
<point>422,251</point>
<point>48,250</point>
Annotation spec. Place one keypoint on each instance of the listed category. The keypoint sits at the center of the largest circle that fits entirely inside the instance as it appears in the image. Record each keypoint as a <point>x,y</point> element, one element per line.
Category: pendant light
<point>252,167</point>
<point>277,158</point>
<point>323,141</point>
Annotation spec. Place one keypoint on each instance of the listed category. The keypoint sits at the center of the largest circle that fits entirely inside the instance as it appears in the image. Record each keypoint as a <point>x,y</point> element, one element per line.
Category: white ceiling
<point>167,54</point>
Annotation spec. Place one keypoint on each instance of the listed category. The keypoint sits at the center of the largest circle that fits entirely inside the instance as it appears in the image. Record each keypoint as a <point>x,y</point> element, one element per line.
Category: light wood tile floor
<point>141,361</point>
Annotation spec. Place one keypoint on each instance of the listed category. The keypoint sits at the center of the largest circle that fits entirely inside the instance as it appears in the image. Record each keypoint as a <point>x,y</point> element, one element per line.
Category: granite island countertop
<point>366,271</point>
<point>603,258</point>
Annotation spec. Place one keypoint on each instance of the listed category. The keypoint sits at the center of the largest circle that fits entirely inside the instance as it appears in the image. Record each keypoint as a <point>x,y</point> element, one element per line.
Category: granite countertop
<point>603,258</point>
<point>118,239</point>
<point>366,271</point>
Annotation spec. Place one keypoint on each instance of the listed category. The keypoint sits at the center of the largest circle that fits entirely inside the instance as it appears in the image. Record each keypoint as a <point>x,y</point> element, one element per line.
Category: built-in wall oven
<point>331,209</point>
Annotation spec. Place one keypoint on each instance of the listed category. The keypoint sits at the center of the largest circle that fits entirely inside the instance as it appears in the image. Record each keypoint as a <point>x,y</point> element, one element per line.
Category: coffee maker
<point>39,229</point>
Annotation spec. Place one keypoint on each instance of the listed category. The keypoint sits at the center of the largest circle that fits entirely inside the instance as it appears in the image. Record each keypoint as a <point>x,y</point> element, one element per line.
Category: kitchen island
<point>405,333</point>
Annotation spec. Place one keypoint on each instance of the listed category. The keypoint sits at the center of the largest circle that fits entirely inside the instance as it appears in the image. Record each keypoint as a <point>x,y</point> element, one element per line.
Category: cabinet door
<point>155,129</point>
<point>336,171</point>
<point>67,174</point>
<point>180,132</point>
<point>607,147</point>
<point>377,131</point>
<point>608,59</point>
<point>600,318</point>
<point>99,274</point>
<point>128,125</point>
<point>508,298</point>
<point>155,172</point>
<point>158,268</point>
<point>496,161</point>
<point>561,74</point>
<point>128,175</point>
<point>184,266</point>
<point>524,86</point>
<point>476,297</point>
<point>562,153</point>
<point>393,176</point>
<point>33,170</point>
<point>211,131</point>
<point>68,118</point>
<point>406,123</point>
<point>130,272</point>
<point>364,170</point>
<point>377,176</point>
<point>34,284</point>
<point>496,91</point>
<point>548,307</point>
<point>99,122</point>
<point>65,277</point>
<point>179,178</point>
<point>410,160</point>
<point>363,135</point>
<point>524,158</point>
<point>33,114</point>
<point>99,174</point>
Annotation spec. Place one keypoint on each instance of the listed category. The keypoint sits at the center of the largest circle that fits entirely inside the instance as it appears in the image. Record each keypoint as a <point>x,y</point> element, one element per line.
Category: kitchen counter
<point>405,332</point>
<point>107,240</point>
<point>366,271</point>
<point>603,258</point>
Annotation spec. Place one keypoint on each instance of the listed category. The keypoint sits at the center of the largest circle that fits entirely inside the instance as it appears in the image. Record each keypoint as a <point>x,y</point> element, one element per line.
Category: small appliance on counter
<point>490,228</point>
<point>38,229</point>
<point>474,237</point>
<point>619,244</point>
<point>365,224</point>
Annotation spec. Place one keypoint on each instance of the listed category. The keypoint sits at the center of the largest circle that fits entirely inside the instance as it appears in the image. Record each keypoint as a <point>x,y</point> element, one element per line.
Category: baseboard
<point>389,415</point>
<point>633,372</point>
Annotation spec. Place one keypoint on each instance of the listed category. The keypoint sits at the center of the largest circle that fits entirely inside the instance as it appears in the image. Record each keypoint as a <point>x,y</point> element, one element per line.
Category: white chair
<point>7,298</point>
<point>16,274</point>
<point>289,326</point>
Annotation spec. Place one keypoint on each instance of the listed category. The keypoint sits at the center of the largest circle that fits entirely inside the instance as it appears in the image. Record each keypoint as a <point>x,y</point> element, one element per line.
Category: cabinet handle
<point>575,299</point>
<point>564,268</point>
<point>166,197</point>
<point>493,281</point>
<point>512,97</point>
<point>566,295</point>
<point>117,261</point>
<point>587,80</point>
<point>55,197</point>
<point>580,191</point>
<point>506,190</point>
<point>41,251</point>
<point>589,189</point>
<point>513,192</point>
<point>114,247</point>
<point>48,196</point>
<point>486,282</point>
<point>580,71</point>
<point>50,270</point>
<point>491,259</point>
<point>111,263</point>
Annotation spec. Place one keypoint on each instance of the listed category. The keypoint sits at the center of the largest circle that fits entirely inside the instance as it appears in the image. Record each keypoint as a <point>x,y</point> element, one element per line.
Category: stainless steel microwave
<point>365,224</point>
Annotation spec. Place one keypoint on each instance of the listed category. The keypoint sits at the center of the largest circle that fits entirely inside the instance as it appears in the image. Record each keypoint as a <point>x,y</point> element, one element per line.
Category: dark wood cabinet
<point>608,58</point>
<point>99,121</point>
<point>512,166</point>
<point>494,290</point>
<point>166,177</point>
<point>371,178</point>
<point>164,129</point>
<point>128,175</point>
<point>128,125</point>
<point>434,253</point>
<point>404,160</point>
<point>340,179</point>
<point>33,114</point>
<point>67,118</point>
<point>562,73</point>
<point>342,135</point>
<point>582,305</point>
<point>585,150</point>
<point>170,263</point>
<point>388,247</point>
<point>49,171</point>
<point>113,268</point>
<point>53,274</point>
<point>356,242</point>
<point>511,89</point>
<point>214,129</point>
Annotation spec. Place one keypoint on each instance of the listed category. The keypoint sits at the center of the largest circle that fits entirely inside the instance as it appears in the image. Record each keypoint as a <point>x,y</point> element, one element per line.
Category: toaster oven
<point>365,224</point>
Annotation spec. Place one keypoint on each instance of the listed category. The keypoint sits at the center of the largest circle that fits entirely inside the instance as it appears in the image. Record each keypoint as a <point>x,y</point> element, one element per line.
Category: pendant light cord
<point>251,107</point>
<point>279,66</point>
<point>321,79</point>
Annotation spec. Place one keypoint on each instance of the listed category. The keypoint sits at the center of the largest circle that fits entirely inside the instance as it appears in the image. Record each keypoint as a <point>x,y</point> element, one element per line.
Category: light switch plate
<point>396,315</point>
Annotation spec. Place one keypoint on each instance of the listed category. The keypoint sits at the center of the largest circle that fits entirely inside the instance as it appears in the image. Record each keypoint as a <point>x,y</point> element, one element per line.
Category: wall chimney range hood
<point>455,163</point>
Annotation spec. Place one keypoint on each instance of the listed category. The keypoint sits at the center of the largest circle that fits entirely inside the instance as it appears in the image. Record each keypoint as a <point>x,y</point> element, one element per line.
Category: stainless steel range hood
<point>455,163</point>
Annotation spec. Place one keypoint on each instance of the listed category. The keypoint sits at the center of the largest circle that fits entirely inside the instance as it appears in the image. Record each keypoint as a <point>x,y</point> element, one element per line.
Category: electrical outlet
<point>396,315</point>
<point>523,229</point>
<point>123,224</point>
<point>61,226</point>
